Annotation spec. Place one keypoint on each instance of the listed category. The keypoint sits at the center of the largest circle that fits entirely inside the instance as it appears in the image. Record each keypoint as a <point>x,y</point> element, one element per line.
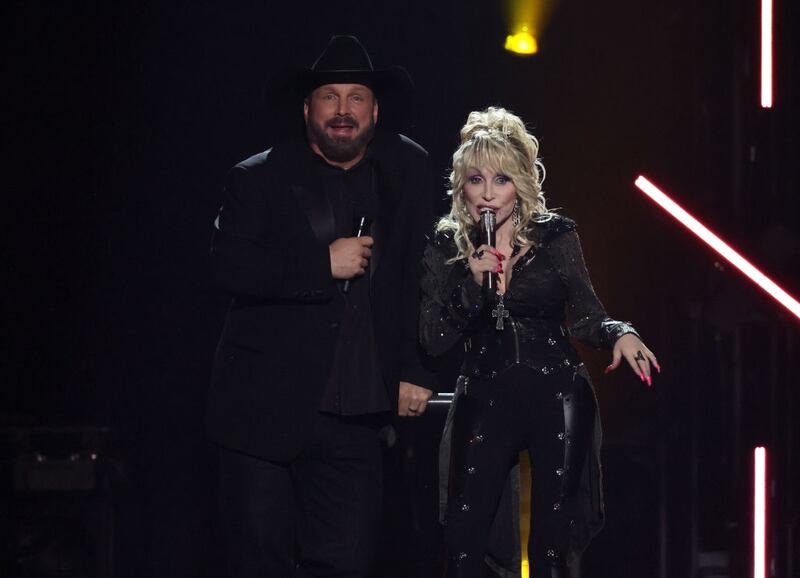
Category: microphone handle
<point>360,230</point>
<point>491,278</point>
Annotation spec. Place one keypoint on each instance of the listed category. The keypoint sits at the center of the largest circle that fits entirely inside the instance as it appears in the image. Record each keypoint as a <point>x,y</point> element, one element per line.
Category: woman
<point>522,385</point>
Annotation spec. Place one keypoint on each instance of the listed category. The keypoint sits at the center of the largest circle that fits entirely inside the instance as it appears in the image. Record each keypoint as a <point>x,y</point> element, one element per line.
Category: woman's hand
<point>636,354</point>
<point>485,259</point>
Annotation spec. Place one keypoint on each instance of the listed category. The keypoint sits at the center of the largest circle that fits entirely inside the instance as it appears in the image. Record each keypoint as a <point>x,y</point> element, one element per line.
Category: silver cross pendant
<point>500,312</point>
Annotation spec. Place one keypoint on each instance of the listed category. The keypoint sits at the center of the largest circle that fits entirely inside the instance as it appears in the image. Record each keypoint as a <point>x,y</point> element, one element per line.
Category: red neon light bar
<point>760,513</point>
<point>719,245</point>
<point>766,53</point>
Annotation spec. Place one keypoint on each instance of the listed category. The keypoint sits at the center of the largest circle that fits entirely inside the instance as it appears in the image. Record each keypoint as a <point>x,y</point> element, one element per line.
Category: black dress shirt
<point>355,385</point>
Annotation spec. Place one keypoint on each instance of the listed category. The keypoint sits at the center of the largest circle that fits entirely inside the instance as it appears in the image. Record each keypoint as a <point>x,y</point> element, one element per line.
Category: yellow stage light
<point>527,20</point>
<point>525,482</point>
<point>522,42</point>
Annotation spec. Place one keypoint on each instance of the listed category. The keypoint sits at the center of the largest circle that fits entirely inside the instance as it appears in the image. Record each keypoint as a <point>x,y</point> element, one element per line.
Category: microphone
<point>365,210</point>
<point>488,224</point>
<point>363,224</point>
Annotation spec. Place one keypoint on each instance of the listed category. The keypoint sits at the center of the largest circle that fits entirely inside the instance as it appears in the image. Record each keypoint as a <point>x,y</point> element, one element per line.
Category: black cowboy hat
<point>345,61</point>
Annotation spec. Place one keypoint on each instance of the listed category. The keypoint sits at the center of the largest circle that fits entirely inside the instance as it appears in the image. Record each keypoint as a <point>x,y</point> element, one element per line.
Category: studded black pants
<point>550,416</point>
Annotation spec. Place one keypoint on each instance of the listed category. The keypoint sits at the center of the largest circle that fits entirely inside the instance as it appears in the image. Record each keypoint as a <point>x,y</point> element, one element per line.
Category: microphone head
<point>488,219</point>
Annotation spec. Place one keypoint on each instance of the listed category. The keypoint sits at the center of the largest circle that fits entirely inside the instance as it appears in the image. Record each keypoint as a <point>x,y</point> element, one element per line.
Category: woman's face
<point>487,188</point>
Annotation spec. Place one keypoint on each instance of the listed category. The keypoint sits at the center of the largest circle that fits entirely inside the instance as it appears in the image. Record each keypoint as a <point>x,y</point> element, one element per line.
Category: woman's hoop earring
<point>516,217</point>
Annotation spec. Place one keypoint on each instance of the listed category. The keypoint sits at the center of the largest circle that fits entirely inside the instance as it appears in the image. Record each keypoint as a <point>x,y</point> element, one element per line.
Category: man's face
<point>340,122</point>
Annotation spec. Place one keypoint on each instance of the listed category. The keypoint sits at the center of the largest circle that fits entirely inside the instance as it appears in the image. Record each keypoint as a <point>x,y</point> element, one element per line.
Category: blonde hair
<point>498,139</point>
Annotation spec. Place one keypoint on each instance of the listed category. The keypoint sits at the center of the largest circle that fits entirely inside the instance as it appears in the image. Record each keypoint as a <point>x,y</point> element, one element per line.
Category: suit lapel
<point>313,199</point>
<point>318,210</point>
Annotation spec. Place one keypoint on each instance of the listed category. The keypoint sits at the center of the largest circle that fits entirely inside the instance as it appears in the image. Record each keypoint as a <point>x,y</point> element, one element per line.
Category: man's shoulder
<point>276,156</point>
<point>412,146</point>
<point>396,143</point>
<point>256,161</point>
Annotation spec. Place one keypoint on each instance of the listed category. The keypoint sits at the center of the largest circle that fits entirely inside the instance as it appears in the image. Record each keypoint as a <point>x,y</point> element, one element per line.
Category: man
<point>319,344</point>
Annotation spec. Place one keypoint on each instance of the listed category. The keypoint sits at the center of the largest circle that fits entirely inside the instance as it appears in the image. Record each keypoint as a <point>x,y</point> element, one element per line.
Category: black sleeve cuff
<point>611,330</point>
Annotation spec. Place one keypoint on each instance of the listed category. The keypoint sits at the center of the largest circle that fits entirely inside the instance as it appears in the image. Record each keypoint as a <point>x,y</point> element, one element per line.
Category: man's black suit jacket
<point>277,345</point>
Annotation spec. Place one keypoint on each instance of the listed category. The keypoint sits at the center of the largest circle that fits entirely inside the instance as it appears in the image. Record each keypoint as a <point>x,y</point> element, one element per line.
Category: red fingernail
<point>641,376</point>
<point>649,381</point>
<point>658,368</point>
<point>607,370</point>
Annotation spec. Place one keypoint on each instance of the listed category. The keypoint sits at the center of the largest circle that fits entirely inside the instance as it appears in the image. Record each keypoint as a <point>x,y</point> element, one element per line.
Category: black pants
<point>553,418</point>
<point>317,515</point>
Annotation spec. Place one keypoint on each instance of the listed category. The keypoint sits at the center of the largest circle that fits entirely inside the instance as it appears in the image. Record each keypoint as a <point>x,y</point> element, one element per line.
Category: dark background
<point>121,119</point>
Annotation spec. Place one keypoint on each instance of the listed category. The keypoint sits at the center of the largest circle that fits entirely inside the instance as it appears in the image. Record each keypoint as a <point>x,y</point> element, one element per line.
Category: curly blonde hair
<point>495,138</point>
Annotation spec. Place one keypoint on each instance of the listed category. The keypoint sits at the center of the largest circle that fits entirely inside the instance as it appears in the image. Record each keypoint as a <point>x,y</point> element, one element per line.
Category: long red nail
<point>658,368</point>
<point>649,381</point>
<point>641,376</point>
<point>608,369</point>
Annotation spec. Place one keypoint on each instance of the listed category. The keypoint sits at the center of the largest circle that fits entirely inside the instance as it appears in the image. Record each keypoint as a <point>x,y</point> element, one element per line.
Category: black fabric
<point>548,280</point>
<point>549,298</point>
<point>270,252</point>
<point>551,417</point>
<point>337,482</point>
<point>355,385</point>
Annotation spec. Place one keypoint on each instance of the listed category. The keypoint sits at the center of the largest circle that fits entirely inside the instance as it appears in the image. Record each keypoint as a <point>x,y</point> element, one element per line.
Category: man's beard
<point>340,149</point>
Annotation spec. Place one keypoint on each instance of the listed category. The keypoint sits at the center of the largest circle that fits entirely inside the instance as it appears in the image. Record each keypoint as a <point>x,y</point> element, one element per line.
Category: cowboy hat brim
<point>394,81</point>
<point>345,61</point>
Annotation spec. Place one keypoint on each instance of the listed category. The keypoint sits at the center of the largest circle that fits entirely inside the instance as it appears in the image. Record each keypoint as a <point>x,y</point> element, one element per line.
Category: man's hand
<point>349,256</point>
<point>412,400</point>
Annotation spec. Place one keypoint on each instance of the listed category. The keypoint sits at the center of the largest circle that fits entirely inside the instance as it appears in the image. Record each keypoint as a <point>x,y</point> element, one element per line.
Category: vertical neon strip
<point>766,53</point>
<point>760,514</point>
<point>719,245</point>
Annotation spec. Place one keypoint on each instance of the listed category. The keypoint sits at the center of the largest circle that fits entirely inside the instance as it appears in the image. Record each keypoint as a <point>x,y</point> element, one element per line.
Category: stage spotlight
<point>760,513</point>
<point>527,20</point>
<point>719,245</point>
<point>522,42</point>
<point>766,53</point>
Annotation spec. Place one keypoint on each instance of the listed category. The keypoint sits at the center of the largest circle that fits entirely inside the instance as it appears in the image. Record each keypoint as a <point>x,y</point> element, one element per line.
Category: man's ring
<point>477,255</point>
<point>639,356</point>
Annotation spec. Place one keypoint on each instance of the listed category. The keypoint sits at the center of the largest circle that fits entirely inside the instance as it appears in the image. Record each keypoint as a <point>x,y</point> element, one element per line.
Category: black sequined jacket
<point>549,280</point>
<point>549,286</point>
